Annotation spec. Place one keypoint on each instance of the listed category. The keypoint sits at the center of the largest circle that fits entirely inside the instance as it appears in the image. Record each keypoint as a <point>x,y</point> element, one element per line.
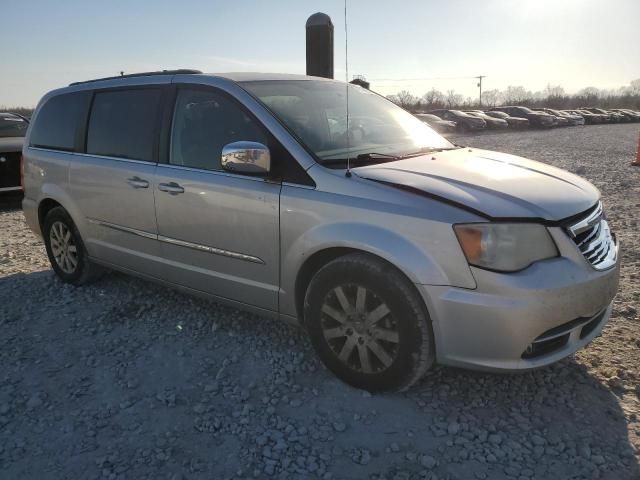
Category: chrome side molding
<point>121,228</point>
<point>214,250</point>
<point>181,243</point>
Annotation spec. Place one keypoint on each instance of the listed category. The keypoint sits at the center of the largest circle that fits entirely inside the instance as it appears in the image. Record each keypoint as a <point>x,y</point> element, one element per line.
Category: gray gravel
<point>125,379</point>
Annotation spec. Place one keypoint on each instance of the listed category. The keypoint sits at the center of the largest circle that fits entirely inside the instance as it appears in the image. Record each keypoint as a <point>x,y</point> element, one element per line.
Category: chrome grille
<point>594,239</point>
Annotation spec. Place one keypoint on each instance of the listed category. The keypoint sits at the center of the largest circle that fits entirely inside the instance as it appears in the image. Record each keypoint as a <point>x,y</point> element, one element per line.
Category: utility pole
<point>480,77</point>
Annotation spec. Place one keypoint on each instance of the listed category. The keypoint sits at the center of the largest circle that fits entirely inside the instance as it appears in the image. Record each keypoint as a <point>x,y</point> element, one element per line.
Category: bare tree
<point>454,99</point>
<point>490,98</point>
<point>589,92</point>
<point>404,99</point>
<point>434,99</point>
<point>554,91</point>
<point>554,95</point>
<point>517,95</point>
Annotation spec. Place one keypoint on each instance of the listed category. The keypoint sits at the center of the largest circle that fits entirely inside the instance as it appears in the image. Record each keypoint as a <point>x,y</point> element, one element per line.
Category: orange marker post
<point>636,162</point>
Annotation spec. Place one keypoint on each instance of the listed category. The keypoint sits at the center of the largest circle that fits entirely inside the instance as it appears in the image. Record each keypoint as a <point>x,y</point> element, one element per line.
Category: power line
<point>419,79</point>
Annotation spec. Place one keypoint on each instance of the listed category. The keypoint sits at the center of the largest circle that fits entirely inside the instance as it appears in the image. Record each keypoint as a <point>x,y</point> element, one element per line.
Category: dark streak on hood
<point>494,185</point>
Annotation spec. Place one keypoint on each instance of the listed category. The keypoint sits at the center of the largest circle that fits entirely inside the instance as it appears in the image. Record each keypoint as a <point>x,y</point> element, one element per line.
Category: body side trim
<point>181,243</point>
<point>214,250</point>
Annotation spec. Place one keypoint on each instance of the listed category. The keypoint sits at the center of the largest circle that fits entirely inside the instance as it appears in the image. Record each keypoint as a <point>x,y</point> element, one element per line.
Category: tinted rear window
<point>58,121</point>
<point>123,123</point>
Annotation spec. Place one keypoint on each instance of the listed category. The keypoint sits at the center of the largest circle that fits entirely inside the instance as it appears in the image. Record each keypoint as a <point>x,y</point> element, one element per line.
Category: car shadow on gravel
<point>558,422</point>
<point>124,367</point>
<point>10,202</point>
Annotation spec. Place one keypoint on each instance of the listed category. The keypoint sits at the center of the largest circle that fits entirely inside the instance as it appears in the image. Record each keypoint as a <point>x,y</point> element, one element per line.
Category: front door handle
<point>173,188</point>
<point>137,182</point>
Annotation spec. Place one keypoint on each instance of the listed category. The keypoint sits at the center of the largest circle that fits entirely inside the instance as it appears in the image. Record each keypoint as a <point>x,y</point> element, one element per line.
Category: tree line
<point>553,96</point>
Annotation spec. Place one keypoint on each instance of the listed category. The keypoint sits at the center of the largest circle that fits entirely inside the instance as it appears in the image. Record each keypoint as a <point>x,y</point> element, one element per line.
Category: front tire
<point>65,249</point>
<point>368,324</point>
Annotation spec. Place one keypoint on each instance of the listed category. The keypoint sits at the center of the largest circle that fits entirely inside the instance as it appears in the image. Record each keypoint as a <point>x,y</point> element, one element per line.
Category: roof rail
<point>142,74</point>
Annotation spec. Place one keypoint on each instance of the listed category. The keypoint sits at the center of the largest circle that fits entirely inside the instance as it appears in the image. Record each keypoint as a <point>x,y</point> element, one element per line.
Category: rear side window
<point>58,122</point>
<point>123,123</point>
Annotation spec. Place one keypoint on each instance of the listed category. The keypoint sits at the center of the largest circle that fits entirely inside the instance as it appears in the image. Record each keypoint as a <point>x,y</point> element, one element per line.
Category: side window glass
<point>57,123</point>
<point>123,123</point>
<point>203,123</point>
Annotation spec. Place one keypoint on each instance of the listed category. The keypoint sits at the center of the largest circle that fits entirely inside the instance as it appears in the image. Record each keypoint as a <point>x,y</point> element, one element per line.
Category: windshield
<point>316,111</point>
<point>12,126</point>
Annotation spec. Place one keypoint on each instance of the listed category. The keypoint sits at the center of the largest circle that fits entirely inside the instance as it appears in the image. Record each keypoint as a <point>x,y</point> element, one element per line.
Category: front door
<point>218,231</point>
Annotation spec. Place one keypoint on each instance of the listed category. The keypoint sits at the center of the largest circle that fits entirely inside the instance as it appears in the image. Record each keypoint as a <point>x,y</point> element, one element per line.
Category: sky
<point>410,45</point>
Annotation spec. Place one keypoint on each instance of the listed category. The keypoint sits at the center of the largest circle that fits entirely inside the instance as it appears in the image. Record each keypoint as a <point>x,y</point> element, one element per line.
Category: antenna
<point>346,74</point>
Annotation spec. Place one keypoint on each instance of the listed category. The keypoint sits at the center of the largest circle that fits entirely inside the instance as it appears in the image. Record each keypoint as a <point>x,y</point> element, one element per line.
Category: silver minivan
<point>391,246</point>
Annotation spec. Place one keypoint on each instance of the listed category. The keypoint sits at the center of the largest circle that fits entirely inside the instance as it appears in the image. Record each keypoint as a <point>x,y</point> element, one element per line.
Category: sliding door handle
<point>173,188</point>
<point>137,182</point>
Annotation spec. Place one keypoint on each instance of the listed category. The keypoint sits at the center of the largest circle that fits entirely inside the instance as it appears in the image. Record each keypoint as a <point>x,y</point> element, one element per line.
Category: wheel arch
<point>53,195</point>
<point>310,267</point>
<point>381,244</point>
<point>44,207</point>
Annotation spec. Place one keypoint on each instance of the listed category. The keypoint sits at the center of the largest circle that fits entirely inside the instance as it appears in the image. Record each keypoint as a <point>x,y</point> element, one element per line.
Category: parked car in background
<point>610,117</point>
<point>559,120</point>
<point>492,122</point>
<point>536,119</point>
<point>464,121</point>
<point>514,122</point>
<point>590,118</point>
<point>571,119</point>
<point>438,124</point>
<point>234,187</point>
<point>12,131</point>
<point>630,115</point>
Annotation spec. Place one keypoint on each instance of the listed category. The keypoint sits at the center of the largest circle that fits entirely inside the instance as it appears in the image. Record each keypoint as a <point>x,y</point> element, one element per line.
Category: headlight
<point>505,247</point>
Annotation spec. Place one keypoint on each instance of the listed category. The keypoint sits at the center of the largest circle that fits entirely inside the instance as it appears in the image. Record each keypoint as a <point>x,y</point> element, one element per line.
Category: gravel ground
<point>127,379</point>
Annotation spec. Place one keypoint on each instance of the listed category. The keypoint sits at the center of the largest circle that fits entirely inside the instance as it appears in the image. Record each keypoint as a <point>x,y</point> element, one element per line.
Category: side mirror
<point>246,157</point>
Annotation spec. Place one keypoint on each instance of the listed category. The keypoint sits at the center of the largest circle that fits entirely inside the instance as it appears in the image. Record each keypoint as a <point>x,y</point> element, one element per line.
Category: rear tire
<point>66,250</point>
<point>368,324</point>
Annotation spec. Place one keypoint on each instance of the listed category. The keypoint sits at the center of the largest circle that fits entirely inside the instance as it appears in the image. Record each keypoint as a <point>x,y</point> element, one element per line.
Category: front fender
<point>411,259</point>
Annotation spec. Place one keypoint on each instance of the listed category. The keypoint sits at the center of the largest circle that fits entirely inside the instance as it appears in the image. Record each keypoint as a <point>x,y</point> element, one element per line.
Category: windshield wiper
<point>363,158</point>
<point>424,151</point>
<point>376,157</point>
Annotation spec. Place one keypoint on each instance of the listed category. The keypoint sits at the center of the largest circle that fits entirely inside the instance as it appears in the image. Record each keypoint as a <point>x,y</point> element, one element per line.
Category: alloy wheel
<point>63,247</point>
<point>360,329</point>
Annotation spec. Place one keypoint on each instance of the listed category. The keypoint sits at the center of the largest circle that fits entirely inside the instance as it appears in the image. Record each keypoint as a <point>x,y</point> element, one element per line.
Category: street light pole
<point>480,77</point>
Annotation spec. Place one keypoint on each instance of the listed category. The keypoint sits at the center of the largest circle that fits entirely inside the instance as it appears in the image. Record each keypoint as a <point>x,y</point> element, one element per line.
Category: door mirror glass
<point>246,157</point>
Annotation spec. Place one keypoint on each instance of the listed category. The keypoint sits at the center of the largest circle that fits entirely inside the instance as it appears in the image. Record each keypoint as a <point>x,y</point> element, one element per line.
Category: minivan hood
<point>496,184</point>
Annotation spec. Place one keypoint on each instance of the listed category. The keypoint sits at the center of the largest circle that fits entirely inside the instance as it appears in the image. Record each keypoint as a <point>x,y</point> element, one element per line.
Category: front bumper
<point>522,320</point>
